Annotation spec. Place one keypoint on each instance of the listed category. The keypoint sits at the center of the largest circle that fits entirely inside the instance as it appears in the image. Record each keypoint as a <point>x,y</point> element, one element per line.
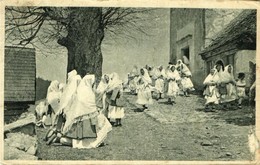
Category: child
<point>241,88</point>
<point>114,94</point>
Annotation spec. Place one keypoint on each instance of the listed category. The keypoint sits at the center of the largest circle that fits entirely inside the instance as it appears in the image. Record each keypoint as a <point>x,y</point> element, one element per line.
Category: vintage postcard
<point>129,82</point>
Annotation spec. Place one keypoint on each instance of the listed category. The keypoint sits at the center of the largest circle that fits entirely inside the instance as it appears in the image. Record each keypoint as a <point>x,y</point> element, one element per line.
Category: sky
<point>120,54</point>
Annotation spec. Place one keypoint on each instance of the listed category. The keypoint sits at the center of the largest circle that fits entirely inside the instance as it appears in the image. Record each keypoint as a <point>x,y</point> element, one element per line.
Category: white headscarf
<point>54,87</point>
<point>226,76</point>
<point>114,82</point>
<point>173,74</point>
<point>69,90</point>
<point>84,102</point>
<point>146,78</point>
<point>102,85</point>
<point>184,69</point>
<point>212,78</point>
<point>158,72</point>
<point>53,95</point>
<point>134,72</point>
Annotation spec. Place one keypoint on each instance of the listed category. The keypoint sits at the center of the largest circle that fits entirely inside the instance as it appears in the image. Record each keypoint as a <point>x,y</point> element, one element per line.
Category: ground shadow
<point>240,117</point>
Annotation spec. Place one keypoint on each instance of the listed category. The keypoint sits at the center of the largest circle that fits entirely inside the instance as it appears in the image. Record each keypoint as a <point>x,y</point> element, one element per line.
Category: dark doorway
<point>220,62</point>
<point>186,52</point>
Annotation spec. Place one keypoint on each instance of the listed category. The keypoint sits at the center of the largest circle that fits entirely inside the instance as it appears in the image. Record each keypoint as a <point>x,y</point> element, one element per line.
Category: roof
<point>243,25</point>
<point>19,74</point>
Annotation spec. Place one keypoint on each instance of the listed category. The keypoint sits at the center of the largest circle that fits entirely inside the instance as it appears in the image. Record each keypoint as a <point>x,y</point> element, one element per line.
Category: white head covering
<point>173,74</point>
<point>146,78</point>
<point>72,73</point>
<point>83,104</point>
<point>102,85</point>
<point>54,87</point>
<point>114,81</point>
<point>53,95</point>
<point>221,75</point>
<point>184,69</point>
<point>69,90</point>
<point>212,78</point>
<point>227,77</point>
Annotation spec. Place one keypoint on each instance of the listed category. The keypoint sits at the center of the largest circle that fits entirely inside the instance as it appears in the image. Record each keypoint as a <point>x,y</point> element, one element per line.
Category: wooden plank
<point>17,76</point>
<point>19,83</point>
<point>20,77</point>
<point>19,65</point>
<point>17,58</point>
<point>19,99</point>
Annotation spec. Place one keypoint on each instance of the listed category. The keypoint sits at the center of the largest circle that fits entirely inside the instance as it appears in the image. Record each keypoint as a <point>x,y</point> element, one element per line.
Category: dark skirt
<point>83,129</point>
<point>222,89</point>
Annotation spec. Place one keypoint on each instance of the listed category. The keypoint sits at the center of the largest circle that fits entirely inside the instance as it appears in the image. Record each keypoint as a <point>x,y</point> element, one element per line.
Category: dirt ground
<point>168,132</point>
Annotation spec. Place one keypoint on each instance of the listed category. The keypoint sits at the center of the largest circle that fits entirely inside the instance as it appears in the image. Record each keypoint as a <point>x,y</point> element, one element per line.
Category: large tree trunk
<point>83,41</point>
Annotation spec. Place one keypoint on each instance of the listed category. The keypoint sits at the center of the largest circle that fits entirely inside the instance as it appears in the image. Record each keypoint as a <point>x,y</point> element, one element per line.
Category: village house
<point>197,34</point>
<point>235,45</point>
<point>19,80</point>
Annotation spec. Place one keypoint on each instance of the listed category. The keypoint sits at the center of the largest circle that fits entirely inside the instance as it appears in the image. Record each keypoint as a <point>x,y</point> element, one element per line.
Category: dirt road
<point>165,132</point>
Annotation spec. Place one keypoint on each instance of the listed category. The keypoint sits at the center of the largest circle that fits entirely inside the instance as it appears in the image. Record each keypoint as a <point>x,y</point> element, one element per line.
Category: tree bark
<point>83,41</point>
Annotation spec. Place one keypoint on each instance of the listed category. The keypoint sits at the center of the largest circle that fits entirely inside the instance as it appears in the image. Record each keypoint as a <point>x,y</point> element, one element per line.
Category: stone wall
<point>20,140</point>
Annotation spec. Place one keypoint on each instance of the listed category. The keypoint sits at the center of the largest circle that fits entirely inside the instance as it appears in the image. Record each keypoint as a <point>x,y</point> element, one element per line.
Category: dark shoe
<point>120,125</point>
<point>114,125</point>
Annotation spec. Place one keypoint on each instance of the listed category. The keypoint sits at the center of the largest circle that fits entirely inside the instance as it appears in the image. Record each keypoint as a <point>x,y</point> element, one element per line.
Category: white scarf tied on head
<point>226,76</point>
<point>102,85</point>
<point>212,78</point>
<point>173,74</point>
<point>69,90</point>
<point>184,69</point>
<point>114,82</point>
<point>84,102</point>
<point>146,78</point>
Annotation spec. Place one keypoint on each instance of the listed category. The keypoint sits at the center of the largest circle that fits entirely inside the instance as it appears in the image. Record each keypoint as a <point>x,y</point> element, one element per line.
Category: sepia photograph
<point>129,83</point>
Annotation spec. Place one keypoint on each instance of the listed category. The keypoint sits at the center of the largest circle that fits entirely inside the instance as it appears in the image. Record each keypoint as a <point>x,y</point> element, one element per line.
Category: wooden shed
<point>19,80</point>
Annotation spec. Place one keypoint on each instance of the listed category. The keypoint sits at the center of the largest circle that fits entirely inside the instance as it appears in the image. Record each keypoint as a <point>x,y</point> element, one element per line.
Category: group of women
<point>222,89</point>
<point>160,83</point>
<point>82,111</point>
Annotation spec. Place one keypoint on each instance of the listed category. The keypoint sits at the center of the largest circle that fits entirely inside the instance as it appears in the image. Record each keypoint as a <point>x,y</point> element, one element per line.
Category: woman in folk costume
<point>173,78</point>
<point>85,127</point>
<point>53,98</point>
<point>132,78</point>
<point>66,100</point>
<point>222,85</point>
<point>144,96</point>
<point>101,95</point>
<point>228,78</point>
<point>166,82</point>
<point>69,91</point>
<point>114,95</point>
<point>159,75</point>
<point>241,88</point>
<point>211,92</point>
<point>185,74</point>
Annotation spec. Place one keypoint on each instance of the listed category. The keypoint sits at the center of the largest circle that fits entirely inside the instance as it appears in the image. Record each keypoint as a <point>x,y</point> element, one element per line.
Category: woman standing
<point>159,75</point>
<point>144,96</point>
<point>185,74</point>
<point>114,94</point>
<point>101,94</point>
<point>173,78</point>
